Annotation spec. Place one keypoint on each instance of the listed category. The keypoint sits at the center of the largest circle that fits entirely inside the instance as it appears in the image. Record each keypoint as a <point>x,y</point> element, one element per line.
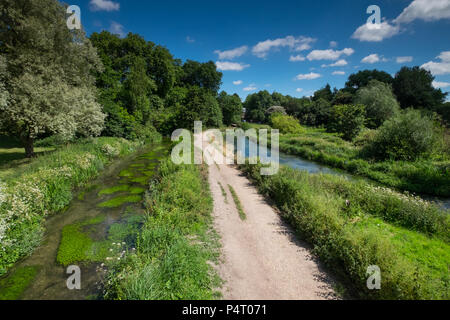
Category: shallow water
<point>98,209</point>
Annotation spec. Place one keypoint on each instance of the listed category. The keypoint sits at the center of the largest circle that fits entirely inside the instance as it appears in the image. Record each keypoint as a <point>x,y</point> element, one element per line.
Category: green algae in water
<point>12,287</point>
<point>118,201</point>
<point>140,180</point>
<point>137,165</point>
<point>81,195</point>
<point>77,246</point>
<point>126,173</point>
<point>136,190</point>
<point>114,189</point>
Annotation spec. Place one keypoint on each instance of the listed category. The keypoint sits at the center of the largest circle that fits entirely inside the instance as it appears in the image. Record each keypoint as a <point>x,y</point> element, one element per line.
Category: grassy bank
<point>352,226</point>
<point>44,186</point>
<point>427,176</point>
<point>176,244</point>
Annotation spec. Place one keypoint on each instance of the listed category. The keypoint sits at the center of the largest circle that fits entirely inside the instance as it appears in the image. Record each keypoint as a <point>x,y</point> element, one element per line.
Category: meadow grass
<point>176,244</point>
<point>44,186</point>
<point>349,233</point>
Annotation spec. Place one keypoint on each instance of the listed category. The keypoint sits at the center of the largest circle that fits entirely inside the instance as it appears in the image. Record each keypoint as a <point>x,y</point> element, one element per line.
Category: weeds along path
<point>261,259</point>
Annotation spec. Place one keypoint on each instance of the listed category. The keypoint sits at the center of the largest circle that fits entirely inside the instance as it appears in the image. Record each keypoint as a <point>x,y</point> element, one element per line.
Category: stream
<point>296,162</point>
<point>99,224</point>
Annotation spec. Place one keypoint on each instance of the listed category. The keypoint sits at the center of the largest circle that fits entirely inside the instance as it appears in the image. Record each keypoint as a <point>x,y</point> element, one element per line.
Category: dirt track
<point>261,257</point>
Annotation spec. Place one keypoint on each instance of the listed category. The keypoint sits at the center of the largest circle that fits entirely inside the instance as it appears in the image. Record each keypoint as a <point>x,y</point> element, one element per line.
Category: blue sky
<point>292,47</point>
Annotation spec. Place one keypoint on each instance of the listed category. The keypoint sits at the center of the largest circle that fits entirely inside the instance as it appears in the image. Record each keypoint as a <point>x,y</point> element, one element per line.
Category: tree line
<point>56,81</point>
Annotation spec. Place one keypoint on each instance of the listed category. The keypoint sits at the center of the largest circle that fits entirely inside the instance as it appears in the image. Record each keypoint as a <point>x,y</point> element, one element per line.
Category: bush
<point>348,120</point>
<point>406,136</point>
<point>286,124</point>
<point>379,101</point>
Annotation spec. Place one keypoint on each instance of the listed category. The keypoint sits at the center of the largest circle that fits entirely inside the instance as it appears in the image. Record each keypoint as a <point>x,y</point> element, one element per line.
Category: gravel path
<point>261,258</point>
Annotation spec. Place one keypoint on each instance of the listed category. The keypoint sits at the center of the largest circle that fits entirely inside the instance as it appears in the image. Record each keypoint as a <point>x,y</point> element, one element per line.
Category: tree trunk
<point>29,148</point>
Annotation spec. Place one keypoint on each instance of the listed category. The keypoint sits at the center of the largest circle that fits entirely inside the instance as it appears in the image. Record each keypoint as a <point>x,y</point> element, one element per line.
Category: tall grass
<point>352,229</point>
<point>43,187</point>
<point>176,244</point>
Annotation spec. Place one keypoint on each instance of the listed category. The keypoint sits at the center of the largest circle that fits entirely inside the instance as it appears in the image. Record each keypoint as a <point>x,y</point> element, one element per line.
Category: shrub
<point>406,136</point>
<point>348,120</point>
<point>379,101</point>
<point>286,124</point>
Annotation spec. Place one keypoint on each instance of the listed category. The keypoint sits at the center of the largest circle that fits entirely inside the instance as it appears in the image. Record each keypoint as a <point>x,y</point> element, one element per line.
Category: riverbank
<point>176,247</point>
<point>352,229</point>
<point>34,191</point>
<point>430,177</point>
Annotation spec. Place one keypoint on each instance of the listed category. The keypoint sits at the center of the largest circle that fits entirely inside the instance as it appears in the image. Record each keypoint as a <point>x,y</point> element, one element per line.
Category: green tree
<point>199,105</point>
<point>231,106</point>
<point>324,93</point>
<point>50,83</point>
<point>379,101</point>
<point>413,88</point>
<point>256,105</point>
<point>362,79</point>
<point>406,136</point>
<point>286,124</point>
<point>348,120</point>
<point>203,75</point>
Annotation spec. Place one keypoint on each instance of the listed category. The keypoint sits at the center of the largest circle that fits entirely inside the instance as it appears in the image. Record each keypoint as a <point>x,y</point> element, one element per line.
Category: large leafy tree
<point>231,106</point>
<point>324,93</point>
<point>256,105</point>
<point>203,75</point>
<point>413,88</point>
<point>379,101</point>
<point>362,79</point>
<point>50,85</point>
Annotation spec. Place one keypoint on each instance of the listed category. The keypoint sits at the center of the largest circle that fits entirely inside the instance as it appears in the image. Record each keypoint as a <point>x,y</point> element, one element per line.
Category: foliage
<point>430,176</point>
<point>237,203</point>
<point>347,120</point>
<point>414,89</point>
<point>203,75</point>
<point>11,287</point>
<point>50,84</point>
<point>349,234</point>
<point>379,101</point>
<point>286,124</point>
<point>231,106</point>
<point>174,251</point>
<point>406,136</point>
<point>256,105</point>
<point>362,78</point>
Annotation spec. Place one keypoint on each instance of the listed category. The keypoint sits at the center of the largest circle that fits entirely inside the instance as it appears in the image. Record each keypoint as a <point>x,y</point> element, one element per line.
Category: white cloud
<point>333,44</point>
<point>438,84</point>
<point>439,68</point>
<point>237,83</point>
<point>427,10</point>
<point>308,76</point>
<point>117,28</point>
<point>339,63</point>
<point>231,54</point>
<point>189,39</point>
<point>301,43</point>
<point>369,33</point>
<point>231,66</point>
<point>329,54</point>
<point>373,58</point>
<point>404,59</point>
<point>104,5</point>
<point>296,58</point>
<point>251,87</point>
<point>299,90</point>
<point>338,73</point>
